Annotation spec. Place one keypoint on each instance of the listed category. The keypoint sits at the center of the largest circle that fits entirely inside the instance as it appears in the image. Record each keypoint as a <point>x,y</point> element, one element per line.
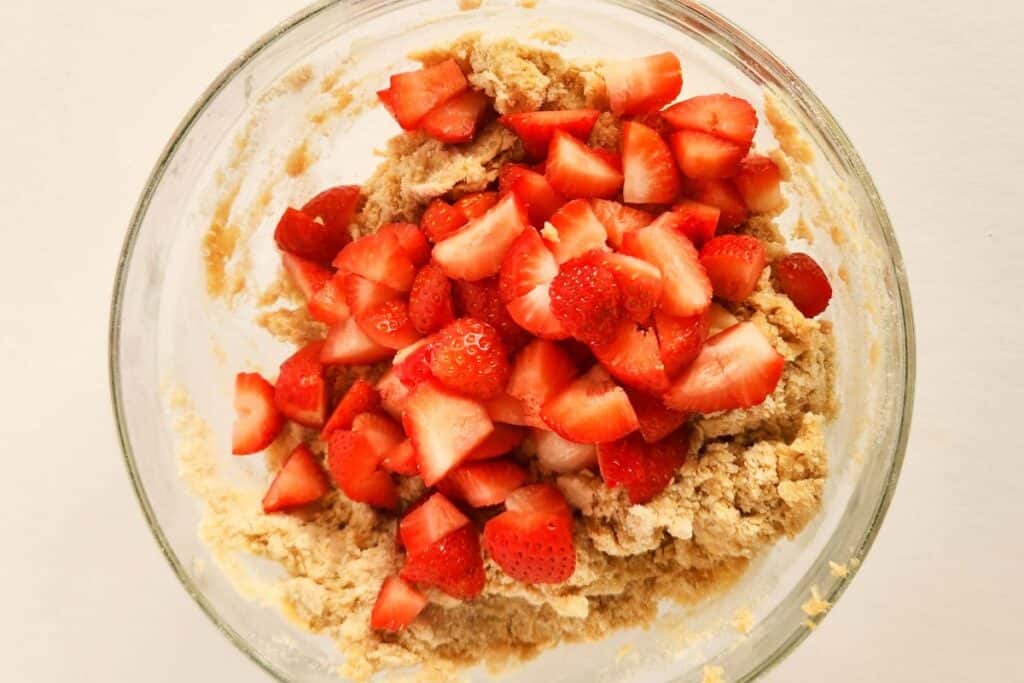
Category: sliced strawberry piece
<point>736,369</point>
<point>655,122</point>
<point>387,100</point>
<point>476,252</point>
<point>469,357</point>
<point>656,420</point>
<point>506,409</point>
<point>538,498</point>
<point>536,128</point>
<point>563,456</point>
<point>502,440</point>
<point>533,190</point>
<point>733,264</point>
<point>697,221</point>
<point>415,93</point>
<point>361,397</point>
<point>362,294</point>
<point>348,344</point>
<point>476,204</point>
<point>592,409</point>
<point>686,289</point>
<point>638,281</point>
<point>649,169</point>
<point>540,371</point>
<point>398,604</point>
<point>643,469</point>
<point>388,324</point>
<point>298,234</point>
<point>300,480</point>
<point>680,338</point>
<point>412,364</point>
<point>257,419</point>
<point>328,305</point>
<point>394,394</point>
<point>642,85</point>
<point>334,208</point>
<point>633,357</point>
<point>527,265</point>
<point>758,181</point>
<point>575,170</point>
<point>719,319</point>
<point>618,219</point>
<point>428,523</point>
<point>355,468</point>
<point>579,231</point>
<point>586,300</point>
<point>723,195</point>
<point>441,220</point>
<point>382,433</point>
<point>444,428</point>
<point>453,564</point>
<point>378,257</point>
<point>481,300</point>
<point>309,276</point>
<point>804,282</point>
<point>724,116</point>
<point>482,484</point>
<point>430,300</point>
<point>402,460</point>
<point>456,120</point>
<point>533,313</point>
<point>533,547</point>
<point>301,393</point>
<point>411,239</point>
<point>704,156</point>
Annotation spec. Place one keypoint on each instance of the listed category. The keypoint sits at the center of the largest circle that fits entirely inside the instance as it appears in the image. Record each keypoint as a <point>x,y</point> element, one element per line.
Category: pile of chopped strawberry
<point>572,312</point>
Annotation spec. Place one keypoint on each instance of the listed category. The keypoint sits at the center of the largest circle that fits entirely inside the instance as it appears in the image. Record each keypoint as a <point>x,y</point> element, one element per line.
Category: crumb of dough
<point>606,132</point>
<point>791,140</point>
<point>299,159</point>
<point>809,625</point>
<point>803,231</point>
<point>743,620</point>
<point>528,4</point>
<point>292,325</point>
<point>299,78</point>
<point>553,35</point>
<point>816,605</point>
<point>466,5</point>
<point>840,571</point>
<point>341,99</point>
<point>713,674</point>
<point>219,244</point>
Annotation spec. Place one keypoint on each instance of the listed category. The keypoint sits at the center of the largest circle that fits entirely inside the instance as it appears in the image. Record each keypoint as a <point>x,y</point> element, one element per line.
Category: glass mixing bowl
<point>229,151</point>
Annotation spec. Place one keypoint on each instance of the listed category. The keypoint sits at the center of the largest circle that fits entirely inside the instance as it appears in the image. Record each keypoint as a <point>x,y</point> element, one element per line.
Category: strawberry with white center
<point>257,419</point>
<point>538,498</point>
<point>719,319</point>
<point>633,357</point>
<point>412,364</point>
<point>680,339</point>
<point>540,371</point>
<point>533,313</point>
<point>643,85</point>
<point>397,605</point>
<point>388,324</point>
<point>738,368</point>
<point>561,455</point>
<point>361,397</point>
<point>533,190</point>
<point>328,304</point>
<point>527,265</point>
<point>575,170</point>
<point>415,93</point>
<point>508,410</point>
<point>638,281</point>
<point>355,466</point>
<point>428,522</point>
<point>721,194</point>
<point>443,549</point>
<point>733,264</point>
<point>502,440</point>
<point>300,392</point>
<point>686,289</point>
<point>649,169</point>
<point>394,394</point>
<point>468,356</point>
<point>536,128</point>
<point>362,294</point>
<point>482,484</point>
<point>309,276</point>
<point>380,258</point>
<point>456,120</point>
<point>382,433</point>
<point>586,300</point>
<point>592,409</point>
<point>348,344</point>
<point>534,547</point>
<point>618,219</point>
<point>705,156</point>
<point>804,282</point>
<point>444,427</point>
<point>577,231</point>
<point>476,251</point>
<point>724,116</point>
<point>411,239</point>
<point>697,221</point>
<point>758,181</point>
<point>643,469</point>
<point>300,481</point>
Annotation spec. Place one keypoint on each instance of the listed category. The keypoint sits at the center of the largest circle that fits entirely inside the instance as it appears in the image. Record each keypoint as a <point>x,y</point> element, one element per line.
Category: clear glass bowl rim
<point>726,31</point>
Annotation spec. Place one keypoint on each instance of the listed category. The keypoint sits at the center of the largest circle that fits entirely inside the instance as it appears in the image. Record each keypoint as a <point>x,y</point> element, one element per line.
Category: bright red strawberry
<point>453,564</point>
<point>538,498</point>
<point>575,170</point>
<point>680,338</point>
<point>476,204</point>
<point>412,364</point>
<point>468,356</point>
<point>656,420</point>
<point>618,219</point>
<point>586,300</point>
<point>361,397</point>
<point>733,264</point>
<point>534,191</point>
<point>686,289</point>
<point>429,521</point>
<point>758,182</point>
<point>577,231</point>
<point>592,409</point>
<point>411,239</point>
<point>697,221</point>
<point>398,604</point>
<point>298,234</point>
<point>704,156</point>
<point>348,344</point>
<point>503,439</point>
<point>536,128</point>
<point>257,419</point>
<point>724,116</point>
<point>721,194</point>
<point>638,281</point>
<point>533,313</point>
<point>533,547</point>
<point>430,300</point>
<point>362,294</point>
<point>456,120</point>
<point>334,208</point>
<point>633,357</point>
<point>394,394</point>
<point>378,257</point>
<point>481,300</point>
<point>506,409</point>
<point>382,433</point>
<point>388,324</point>
<point>300,480</point>
<point>642,85</point>
<point>301,393</point>
<point>719,319</point>
<point>444,427</point>
<point>441,220</point>
<point>482,484</point>
<point>328,305</point>
<point>650,170</point>
<point>643,469</point>
<point>355,468</point>
<point>308,276</point>
<point>527,265</point>
<point>804,282</point>
<point>561,455</point>
<point>477,251</point>
<point>387,101</point>
<point>402,460</point>
<point>540,371</point>
<point>415,93</point>
<point>736,369</point>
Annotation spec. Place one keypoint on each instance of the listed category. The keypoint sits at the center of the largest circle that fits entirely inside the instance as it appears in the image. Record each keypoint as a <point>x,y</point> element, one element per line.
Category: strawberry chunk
<point>758,181</point>
<point>592,409</point>
<point>308,276</point>
<point>334,208</point>
<point>697,221</point>
<point>527,265</point>
<point>533,190</point>
<point>638,281</point>
<point>300,480</point>
<point>362,294</point>
<point>506,409</point>
<point>355,467</point>
<point>533,547</point>
<point>388,324</point>
<point>430,300</point>
<point>361,397</point>
<point>686,289</point>
<point>503,439</point>
<point>482,484</point>
<point>649,169</point>
<point>735,369</point>
<point>444,428</point>
<point>533,313</point>
<point>378,257</point>
<point>585,299</point>
<point>724,116</point>
<point>387,100</point>
<point>643,469</point>
<point>398,604</point>
<point>704,156</point>
<point>476,252</point>
<point>257,419</point>
<point>575,170</point>
<point>540,371</point>
<point>468,356</point>
<point>721,194</point>
<point>453,564</point>
<point>402,460</point>
<point>328,304</point>
<point>733,264</point>
<point>394,394</point>
<point>719,319</point>
<point>804,282</point>
<point>348,344</point>
<point>476,204</point>
<point>481,300</point>
<point>538,498</point>
<point>428,523</point>
<point>633,357</point>
<point>618,219</point>
<point>300,392</point>
<point>441,220</point>
<point>382,433</point>
<point>561,455</point>
<point>578,231</point>
<point>536,128</point>
<point>656,420</point>
<point>642,85</point>
<point>456,120</point>
<point>298,234</point>
<point>415,93</point>
<point>680,339</point>
<point>412,364</point>
<point>411,239</point>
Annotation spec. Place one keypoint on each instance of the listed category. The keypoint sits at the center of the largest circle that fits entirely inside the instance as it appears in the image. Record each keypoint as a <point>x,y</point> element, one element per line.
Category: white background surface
<point>929,91</point>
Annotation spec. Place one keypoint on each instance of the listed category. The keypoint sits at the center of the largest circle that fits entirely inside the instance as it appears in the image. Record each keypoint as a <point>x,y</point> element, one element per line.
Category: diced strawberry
<point>575,170</point>
<point>468,356</point>
<point>727,117</point>
<point>680,338</point>
<point>758,182</point>
<point>527,265</point>
<point>328,305</point>
<point>394,394</point>
<point>362,294</point>
<point>387,100</point>
<point>309,276</point>
<point>411,239</point>
<point>412,364</point>
<point>388,324</point>
<point>643,469</point>
<point>642,85</point>
<point>482,484</point>
<point>444,428</point>
<point>697,221</point>
<point>655,122</point>
<point>618,219</point>
<point>633,357</point>
<point>638,281</point>
<point>719,319</point>
<point>361,397</point>
<point>533,313</point>
<point>300,480</point>
<point>506,409</point>
<point>804,282</point>
<point>430,300</point>
<point>580,353</point>
<point>540,371</point>
<point>348,344</point>
<point>704,156</point>
<point>533,547</point>
<point>534,191</point>
<point>536,128</point>
<point>298,234</point>
<point>301,393</point>
<point>378,257</point>
<point>355,468</point>
<point>592,409</point>
<point>561,455</point>
<point>476,252</point>
<point>441,220</point>
<point>415,93</point>
<point>650,171</point>
<point>586,300</point>
<point>398,604</point>
<point>481,300</point>
<point>579,231</point>
<point>454,564</point>
<point>656,420</point>
<point>502,440</point>
<point>736,369</point>
<point>733,264</point>
<point>723,195</point>
<point>402,460</point>
<point>476,204</point>
<point>538,498</point>
<point>334,208</point>
<point>257,419</point>
<point>686,289</point>
<point>382,433</point>
<point>455,121</point>
<point>429,522</point>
